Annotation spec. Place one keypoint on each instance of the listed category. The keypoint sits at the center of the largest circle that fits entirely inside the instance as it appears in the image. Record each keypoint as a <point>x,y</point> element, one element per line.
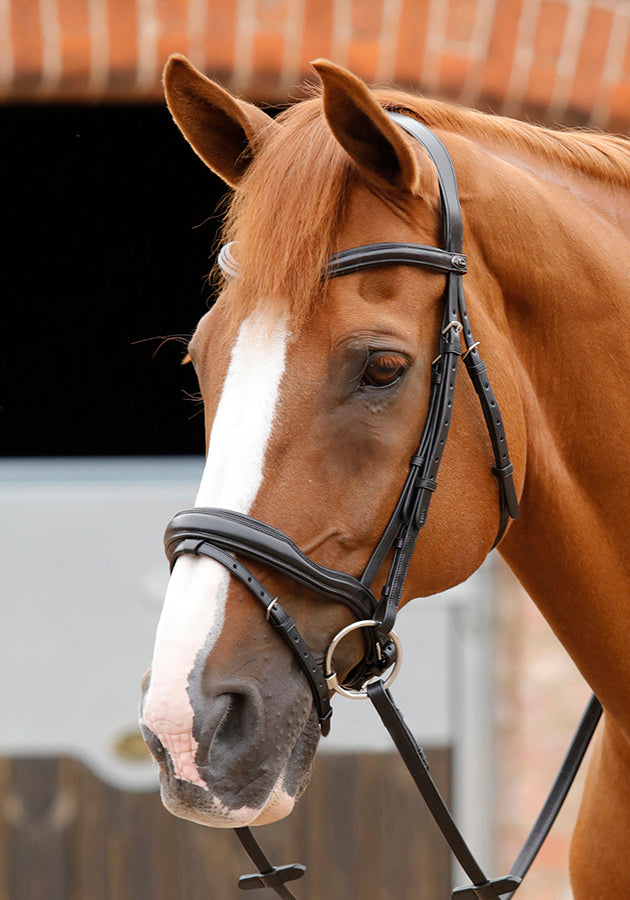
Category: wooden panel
<point>361,829</point>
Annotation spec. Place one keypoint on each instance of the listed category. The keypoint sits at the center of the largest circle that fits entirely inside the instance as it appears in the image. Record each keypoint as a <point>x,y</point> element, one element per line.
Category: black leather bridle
<point>226,536</point>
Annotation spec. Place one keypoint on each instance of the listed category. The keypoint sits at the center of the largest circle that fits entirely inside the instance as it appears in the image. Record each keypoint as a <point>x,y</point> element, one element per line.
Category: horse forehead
<point>369,219</point>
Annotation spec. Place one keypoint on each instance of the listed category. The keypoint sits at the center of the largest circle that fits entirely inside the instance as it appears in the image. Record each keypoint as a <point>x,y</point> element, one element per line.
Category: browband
<point>392,254</point>
<point>345,262</point>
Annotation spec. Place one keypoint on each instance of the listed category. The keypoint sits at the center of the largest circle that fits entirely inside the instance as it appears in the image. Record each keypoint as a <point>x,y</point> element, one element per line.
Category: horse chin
<point>210,811</point>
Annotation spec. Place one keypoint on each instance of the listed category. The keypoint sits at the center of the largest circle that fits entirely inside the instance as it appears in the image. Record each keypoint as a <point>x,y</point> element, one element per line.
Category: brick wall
<point>559,60</point>
<point>540,699</point>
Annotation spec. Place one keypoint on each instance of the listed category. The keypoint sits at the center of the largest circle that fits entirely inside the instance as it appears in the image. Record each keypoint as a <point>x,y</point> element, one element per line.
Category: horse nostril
<point>232,729</point>
<point>238,720</point>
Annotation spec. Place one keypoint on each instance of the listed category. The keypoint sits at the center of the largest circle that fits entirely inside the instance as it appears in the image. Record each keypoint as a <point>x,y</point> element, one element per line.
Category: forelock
<point>286,214</point>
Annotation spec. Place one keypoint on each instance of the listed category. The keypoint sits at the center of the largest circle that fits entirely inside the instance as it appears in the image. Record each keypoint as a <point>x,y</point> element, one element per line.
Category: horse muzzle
<point>248,756</point>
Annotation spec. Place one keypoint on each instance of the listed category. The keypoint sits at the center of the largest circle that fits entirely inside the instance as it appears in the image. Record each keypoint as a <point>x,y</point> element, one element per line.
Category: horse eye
<point>383,370</point>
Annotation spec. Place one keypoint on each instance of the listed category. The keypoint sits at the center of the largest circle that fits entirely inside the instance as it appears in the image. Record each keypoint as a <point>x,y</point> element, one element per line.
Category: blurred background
<point>109,233</point>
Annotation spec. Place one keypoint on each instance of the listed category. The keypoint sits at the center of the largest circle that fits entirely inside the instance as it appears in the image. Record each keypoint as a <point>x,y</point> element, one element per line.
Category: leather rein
<point>220,534</point>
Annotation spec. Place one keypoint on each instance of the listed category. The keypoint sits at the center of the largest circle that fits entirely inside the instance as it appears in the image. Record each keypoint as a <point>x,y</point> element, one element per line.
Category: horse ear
<point>365,131</point>
<point>223,130</point>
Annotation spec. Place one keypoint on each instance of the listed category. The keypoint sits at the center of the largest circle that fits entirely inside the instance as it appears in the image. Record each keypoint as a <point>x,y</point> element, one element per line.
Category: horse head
<point>316,391</point>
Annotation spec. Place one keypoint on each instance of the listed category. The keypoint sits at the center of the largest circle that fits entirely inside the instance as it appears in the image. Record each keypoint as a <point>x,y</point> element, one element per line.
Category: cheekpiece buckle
<point>331,676</point>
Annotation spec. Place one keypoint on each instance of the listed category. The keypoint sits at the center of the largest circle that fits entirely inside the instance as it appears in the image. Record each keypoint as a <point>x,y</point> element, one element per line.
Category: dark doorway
<point>109,235</point>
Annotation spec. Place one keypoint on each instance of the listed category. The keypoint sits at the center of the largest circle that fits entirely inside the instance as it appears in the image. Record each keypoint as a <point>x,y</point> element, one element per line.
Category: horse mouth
<point>257,789</point>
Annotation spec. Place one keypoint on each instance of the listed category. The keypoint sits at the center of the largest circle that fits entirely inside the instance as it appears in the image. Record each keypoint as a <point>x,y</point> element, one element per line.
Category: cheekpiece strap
<point>411,511</point>
<point>422,478</point>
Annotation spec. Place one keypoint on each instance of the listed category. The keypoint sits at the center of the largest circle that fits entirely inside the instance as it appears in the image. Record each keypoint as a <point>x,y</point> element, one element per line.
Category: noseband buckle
<point>330,675</point>
<point>270,607</point>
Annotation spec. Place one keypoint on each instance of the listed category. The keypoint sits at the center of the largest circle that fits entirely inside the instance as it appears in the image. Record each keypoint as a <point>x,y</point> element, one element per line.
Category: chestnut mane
<point>288,209</point>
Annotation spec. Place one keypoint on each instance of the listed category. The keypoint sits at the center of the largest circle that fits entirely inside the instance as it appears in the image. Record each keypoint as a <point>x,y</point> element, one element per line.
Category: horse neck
<point>559,258</point>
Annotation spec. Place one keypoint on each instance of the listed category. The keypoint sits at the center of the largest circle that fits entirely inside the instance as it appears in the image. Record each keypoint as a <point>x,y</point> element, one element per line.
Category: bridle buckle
<point>270,608</point>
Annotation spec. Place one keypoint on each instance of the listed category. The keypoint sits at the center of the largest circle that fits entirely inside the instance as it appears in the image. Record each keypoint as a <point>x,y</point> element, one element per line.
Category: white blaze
<point>194,607</point>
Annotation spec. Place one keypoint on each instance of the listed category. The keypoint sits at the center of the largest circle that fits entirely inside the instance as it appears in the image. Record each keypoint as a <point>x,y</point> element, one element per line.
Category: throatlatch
<point>220,534</point>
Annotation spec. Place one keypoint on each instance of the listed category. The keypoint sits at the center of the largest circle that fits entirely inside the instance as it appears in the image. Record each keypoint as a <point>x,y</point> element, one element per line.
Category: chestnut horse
<point>315,392</point>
